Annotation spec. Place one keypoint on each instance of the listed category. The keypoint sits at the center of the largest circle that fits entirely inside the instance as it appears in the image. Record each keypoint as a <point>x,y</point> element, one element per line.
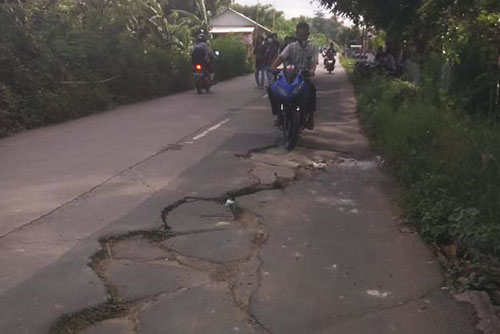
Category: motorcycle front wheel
<point>290,127</point>
<point>199,89</point>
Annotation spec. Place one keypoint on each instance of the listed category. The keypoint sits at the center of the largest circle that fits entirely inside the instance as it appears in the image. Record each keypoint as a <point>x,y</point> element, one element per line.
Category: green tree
<point>396,17</point>
<point>328,26</point>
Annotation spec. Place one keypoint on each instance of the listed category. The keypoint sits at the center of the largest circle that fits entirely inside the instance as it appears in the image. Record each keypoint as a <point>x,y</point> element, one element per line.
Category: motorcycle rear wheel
<point>198,87</point>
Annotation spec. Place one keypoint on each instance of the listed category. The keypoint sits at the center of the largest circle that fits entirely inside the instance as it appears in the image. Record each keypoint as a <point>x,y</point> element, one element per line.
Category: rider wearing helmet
<point>330,52</point>
<point>203,55</point>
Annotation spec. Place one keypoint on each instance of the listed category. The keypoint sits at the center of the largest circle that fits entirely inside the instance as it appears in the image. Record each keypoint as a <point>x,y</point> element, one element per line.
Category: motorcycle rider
<point>331,52</point>
<point>203,55</point>
<point>304,56</point>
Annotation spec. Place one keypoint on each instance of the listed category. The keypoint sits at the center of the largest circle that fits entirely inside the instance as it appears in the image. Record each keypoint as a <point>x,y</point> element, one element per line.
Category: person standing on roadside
<point>260,61</point>
<point>498,60</point>
<point>272,50</point>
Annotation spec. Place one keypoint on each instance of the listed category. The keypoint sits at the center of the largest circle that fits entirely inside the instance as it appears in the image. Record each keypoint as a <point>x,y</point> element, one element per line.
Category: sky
<point>291,8</point>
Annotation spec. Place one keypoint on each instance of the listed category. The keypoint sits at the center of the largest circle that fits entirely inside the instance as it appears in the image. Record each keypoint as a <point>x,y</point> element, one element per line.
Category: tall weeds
<point>448,163</point>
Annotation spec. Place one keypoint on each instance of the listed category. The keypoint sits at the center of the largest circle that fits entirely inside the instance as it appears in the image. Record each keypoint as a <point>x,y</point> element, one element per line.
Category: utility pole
<point>257,10</point>
<point>274,15</point>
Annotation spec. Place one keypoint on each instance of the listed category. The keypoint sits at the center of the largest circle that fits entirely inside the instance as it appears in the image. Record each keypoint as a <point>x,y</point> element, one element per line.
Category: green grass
<point>448,164</point>
<point>348,64</point>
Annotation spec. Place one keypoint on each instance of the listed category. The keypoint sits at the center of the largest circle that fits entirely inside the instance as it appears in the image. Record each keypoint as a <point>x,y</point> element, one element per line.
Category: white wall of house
<point>233,22</point>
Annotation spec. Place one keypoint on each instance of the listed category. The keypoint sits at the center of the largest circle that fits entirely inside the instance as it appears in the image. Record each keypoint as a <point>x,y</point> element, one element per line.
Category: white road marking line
<point>213,128</point>
<point>264,96</point>
<point>377,293</point>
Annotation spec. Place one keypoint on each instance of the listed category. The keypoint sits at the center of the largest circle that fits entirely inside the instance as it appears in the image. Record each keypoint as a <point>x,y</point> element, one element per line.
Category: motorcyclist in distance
<point>330,52</point>
<point>203,55</point>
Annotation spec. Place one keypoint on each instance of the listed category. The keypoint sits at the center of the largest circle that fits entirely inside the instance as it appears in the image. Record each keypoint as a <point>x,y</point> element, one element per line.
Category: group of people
<point>386,59</point>
<point>296,51</point>
<point>266,50</point>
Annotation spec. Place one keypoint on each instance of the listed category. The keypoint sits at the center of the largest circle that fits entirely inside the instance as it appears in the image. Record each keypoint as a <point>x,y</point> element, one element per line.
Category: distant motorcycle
<point>289,88</point>
<point>202,78</point>
<point>330,63</point>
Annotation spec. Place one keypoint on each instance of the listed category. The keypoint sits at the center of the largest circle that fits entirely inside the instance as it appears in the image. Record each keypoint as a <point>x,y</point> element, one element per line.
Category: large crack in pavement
<point>233,268</point>
<point>206,264</point>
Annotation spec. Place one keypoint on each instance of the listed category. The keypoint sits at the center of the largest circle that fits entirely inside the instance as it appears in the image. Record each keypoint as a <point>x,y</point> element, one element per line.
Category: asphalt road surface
<point>117,223</point>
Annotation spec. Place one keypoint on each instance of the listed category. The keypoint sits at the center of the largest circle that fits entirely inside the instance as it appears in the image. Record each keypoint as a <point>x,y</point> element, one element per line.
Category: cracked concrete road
<point>314,244</point>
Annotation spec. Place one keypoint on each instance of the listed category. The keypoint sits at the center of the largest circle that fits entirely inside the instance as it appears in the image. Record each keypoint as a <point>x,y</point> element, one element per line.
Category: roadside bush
<point>233,60</point>
<point>45,91</point>
<point>10,120</point>
<point>81,73</point>
<point>144,74</point>
<point>62,61</point>
<point>448,163</point>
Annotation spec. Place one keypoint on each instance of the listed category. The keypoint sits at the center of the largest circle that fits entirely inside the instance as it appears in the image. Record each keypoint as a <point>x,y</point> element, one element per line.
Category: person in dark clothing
<point>379,57</point>
<point>260,61</point>
<point>288,40</point>
<point>272,51</point>
<point>203,55</point>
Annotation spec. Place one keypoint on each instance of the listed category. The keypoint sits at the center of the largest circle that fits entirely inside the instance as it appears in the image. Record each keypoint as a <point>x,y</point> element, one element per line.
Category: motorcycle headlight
<point>297,90</point>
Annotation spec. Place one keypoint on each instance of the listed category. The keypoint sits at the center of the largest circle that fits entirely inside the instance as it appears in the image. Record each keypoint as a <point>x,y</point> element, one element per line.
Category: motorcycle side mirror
<point>217,53</point>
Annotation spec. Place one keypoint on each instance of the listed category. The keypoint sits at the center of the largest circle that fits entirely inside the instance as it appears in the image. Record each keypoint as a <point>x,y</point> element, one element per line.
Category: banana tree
<point>153,23</point>
<point>197,21</point>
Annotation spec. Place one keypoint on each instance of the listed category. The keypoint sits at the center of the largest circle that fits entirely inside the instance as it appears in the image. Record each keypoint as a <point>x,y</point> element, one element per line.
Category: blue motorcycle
<point>289,89</point>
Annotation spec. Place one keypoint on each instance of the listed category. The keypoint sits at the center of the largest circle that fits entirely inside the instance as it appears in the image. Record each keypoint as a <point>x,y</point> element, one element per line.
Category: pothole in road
<point>142,267</point>
<point>273,164</point>
<point>202,244</point>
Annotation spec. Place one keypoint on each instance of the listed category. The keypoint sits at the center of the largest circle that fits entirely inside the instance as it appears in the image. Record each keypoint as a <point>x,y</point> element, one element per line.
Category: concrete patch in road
<point>269,174</point>
<point>112,326</point>
<point>137,248</point>
<point>206,309</point>
<point>141,280</point>
<point>217,246</point>
<point>198,215</point>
